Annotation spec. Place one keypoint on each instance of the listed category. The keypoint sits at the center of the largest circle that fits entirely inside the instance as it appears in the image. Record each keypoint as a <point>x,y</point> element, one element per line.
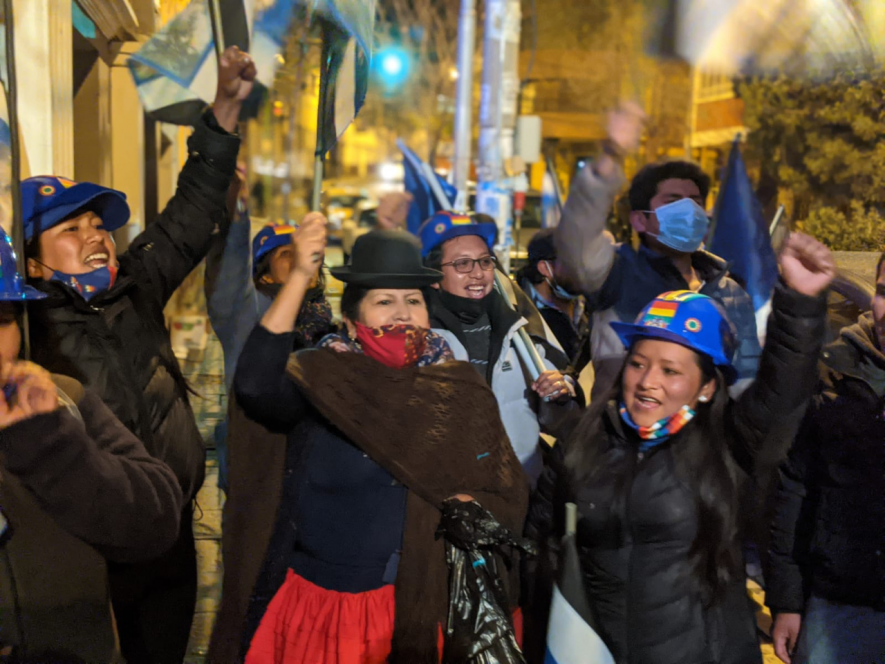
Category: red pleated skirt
<point>306,624</point>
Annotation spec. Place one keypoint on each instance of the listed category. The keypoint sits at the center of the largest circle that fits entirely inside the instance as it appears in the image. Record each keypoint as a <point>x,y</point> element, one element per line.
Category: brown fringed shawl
<point>437,430</point>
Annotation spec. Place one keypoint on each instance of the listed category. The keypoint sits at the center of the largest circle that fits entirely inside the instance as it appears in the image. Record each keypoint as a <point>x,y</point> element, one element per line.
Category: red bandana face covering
<point>396,346</point>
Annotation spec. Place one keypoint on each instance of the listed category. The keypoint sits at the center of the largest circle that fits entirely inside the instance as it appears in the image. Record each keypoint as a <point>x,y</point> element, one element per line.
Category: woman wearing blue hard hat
<point>76,488</point>
<point>655,470</point>
<point>102,322</point>
<point>479,325</point>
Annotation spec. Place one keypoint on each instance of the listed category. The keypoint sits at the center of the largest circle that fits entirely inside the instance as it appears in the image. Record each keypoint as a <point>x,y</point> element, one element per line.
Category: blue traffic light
<point>393,66</point>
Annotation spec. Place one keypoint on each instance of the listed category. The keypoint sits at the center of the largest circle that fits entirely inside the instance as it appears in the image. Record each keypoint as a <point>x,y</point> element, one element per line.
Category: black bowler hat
<point>387,259</point>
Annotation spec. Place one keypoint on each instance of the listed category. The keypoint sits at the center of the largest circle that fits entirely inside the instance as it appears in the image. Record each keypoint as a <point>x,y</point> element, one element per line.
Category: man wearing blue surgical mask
<point>667,211</point>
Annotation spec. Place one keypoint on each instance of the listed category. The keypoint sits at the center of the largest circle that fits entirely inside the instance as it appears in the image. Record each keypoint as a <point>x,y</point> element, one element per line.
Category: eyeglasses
<point>466,265</point>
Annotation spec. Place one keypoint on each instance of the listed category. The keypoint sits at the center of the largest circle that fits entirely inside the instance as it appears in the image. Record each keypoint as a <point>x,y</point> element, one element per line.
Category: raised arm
<point>586,253</point>
<point>263,389</point>
<point>232,301</point>
<point>172,246</point>
<point>765,418</point>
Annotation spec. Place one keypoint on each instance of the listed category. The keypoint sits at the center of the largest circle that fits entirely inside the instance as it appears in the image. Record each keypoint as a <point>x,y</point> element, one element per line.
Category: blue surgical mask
<point>682,225</point>
<point>90,284</point>
<point>558,290</point>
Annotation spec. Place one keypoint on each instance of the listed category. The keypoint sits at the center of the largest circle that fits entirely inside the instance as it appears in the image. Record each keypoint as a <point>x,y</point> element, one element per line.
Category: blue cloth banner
<point>741,234</point>
<point>424,204</point>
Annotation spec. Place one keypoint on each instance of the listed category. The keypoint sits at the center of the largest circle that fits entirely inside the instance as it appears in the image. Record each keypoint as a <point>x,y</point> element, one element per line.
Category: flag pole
<point>571,519</point>
<point>18,232</point>
<point>217,27</point>
<point>778,216</point>
<point>320,154</point>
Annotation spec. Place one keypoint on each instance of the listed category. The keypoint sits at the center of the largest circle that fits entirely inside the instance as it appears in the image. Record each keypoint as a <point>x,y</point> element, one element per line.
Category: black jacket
<point>635,552</point>
<point>76,487</point>
<point>117,344</point>
<point>828,535</point>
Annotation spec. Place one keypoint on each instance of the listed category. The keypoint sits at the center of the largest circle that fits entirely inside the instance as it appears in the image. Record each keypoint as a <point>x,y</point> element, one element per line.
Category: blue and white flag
<point>176,71</point>
<point>348,33</point>
<point>428,197</point>
<point>572,636</point>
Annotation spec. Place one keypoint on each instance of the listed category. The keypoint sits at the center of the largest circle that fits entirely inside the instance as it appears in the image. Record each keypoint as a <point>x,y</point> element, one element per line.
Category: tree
<point>428,31</point>
<point>824,142</point>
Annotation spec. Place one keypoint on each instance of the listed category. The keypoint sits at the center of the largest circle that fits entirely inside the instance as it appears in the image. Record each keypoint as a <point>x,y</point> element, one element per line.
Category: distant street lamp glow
<point>453,73</point>
<point>393,66</point>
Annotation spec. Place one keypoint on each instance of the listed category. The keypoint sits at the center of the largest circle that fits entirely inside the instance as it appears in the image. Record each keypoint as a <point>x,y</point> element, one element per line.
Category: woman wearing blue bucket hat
<point>102,322</point>
<point>77,488</point>
<point>655,469</point>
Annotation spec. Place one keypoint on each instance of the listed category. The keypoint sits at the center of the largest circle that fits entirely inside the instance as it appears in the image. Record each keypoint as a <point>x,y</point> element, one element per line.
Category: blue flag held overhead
<point>741,235</point>
<point>425,192</point>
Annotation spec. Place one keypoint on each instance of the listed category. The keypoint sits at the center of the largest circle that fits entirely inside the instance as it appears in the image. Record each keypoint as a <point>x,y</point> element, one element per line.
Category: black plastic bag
<point>479,629</point>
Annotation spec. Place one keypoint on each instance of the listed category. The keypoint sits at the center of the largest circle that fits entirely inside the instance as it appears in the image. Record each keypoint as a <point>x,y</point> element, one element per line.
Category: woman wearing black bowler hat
<point>383,428</point>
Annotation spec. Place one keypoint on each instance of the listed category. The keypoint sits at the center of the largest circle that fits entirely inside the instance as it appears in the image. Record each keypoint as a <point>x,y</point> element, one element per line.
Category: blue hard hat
<point>269,238</point>
<point>12,286</point>
<point>689,319</point>
<point>444,226</point>
<point>48,200</point>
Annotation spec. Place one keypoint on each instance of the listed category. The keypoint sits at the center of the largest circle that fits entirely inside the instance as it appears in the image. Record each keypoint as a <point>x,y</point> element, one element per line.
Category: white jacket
<point>523,412</point>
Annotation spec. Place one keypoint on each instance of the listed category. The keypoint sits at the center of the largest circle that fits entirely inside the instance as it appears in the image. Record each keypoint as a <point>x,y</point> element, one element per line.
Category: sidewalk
<point>207,532</point>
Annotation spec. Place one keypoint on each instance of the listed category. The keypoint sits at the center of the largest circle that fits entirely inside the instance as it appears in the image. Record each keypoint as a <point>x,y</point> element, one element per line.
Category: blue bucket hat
<point>48,200</point>
<point>12,286</point>
<point>444,226</point>
<point>269,238</point>
<point>688,319</point>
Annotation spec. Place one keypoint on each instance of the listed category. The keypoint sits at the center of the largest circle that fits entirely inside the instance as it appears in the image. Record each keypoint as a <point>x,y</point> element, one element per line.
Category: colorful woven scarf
<point>657,433</point>
<point>433,350</point>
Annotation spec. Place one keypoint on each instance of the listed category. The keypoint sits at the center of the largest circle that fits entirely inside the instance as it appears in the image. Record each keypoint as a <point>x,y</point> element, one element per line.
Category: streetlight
<point>393,66</point>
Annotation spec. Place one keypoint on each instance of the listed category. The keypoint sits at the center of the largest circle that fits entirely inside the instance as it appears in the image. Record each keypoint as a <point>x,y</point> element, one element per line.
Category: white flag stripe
<point>345,90</point>
<point>570,640</point>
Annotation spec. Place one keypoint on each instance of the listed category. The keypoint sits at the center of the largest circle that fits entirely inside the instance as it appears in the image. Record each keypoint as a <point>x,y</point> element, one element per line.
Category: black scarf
<point>466,309</point>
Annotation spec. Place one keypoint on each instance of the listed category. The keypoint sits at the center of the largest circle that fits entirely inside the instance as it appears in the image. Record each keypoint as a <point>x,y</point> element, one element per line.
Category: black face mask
<point>466,309</point>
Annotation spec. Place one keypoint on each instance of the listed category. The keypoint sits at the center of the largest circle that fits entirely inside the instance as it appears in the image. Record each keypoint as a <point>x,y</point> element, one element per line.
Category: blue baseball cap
<point>12,286</point>
<point>48,200</point>
<point>444,226</point>
<point>688,319</point>
<point>269,238</point>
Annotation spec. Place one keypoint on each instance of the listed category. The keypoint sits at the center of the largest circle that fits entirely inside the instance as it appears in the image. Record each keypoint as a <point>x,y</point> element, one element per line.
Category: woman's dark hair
<point>353,295</point>
<point>645,184</point>
<point>350,301</point>
<point>703,461</point>
<point>879,266</point>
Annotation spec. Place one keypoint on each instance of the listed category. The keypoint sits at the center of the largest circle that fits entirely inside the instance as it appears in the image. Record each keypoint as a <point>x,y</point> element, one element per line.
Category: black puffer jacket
<point>828,535</point>
<point>117,344</point>
<point>635,552</point>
